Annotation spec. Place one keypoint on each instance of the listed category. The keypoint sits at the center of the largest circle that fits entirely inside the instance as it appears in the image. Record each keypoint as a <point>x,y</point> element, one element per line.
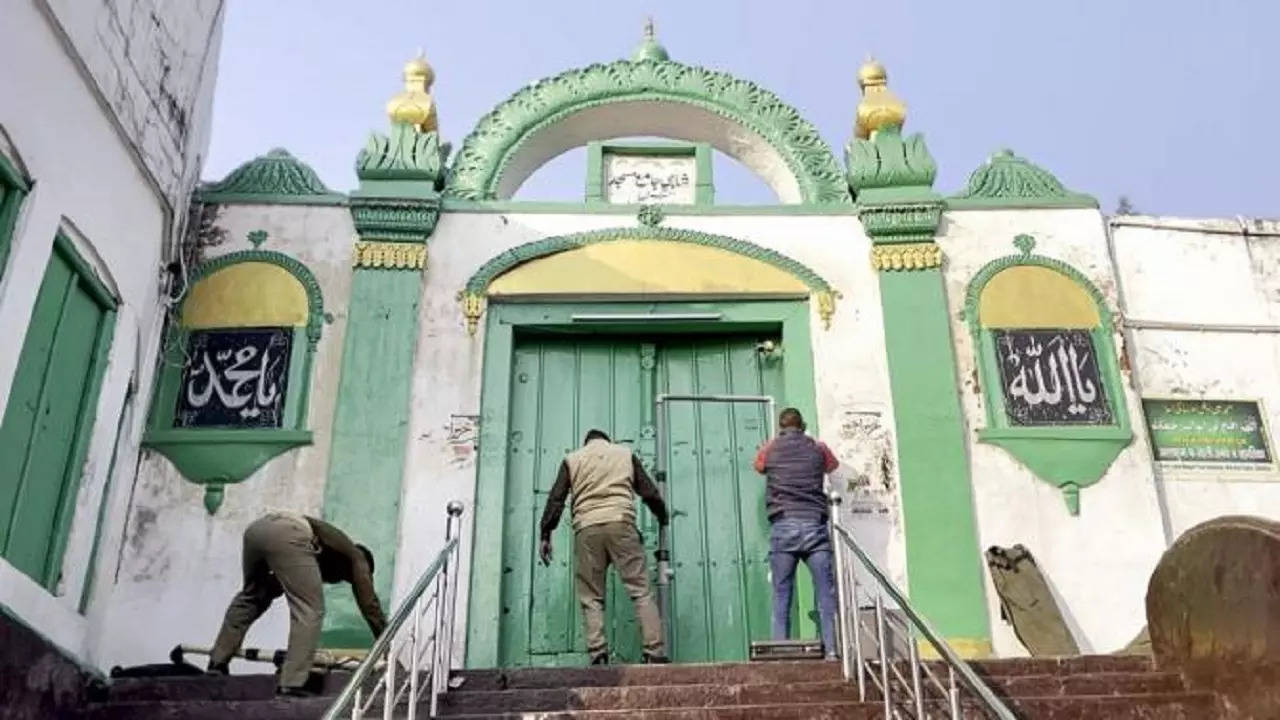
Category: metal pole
<point>857,632</point>
<point>841,589</point>
<point>914,654</point>
<point>953,695</point>
<point>439,665</point>
<point>884,657</point>
<point>415,638</point>
<point>663,556</point>
<point>455,511</point>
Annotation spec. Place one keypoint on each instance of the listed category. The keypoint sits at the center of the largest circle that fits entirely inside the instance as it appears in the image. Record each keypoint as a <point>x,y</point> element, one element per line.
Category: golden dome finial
<point>879,107</point>
<point>413,105</point>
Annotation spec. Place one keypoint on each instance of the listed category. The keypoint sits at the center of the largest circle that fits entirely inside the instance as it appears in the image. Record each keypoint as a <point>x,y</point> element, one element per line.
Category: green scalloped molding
<point>217,458</point>
<point>484,154</point>
<point>501,263</point>
<point>277,178</point>
<point>1008,181</point>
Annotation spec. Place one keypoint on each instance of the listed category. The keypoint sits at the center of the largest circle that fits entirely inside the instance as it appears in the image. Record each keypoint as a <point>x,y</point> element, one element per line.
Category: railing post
<point>441,650</point>
<point>857,633</point>
<point>841,583</point>
<point>884,657</point>
<point>914,653</point>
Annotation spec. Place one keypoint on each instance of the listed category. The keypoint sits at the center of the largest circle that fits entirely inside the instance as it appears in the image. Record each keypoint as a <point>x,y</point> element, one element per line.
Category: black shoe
<point>294,692</point>
<point>656,659</point>
<point>218,669</point>
<point>600,659</point>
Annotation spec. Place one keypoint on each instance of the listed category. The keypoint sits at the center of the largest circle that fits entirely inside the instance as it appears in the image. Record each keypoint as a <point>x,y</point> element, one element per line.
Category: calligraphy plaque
<point>1051,377</point>
<point>639,179</point>
<point>234,378</point>
<point>1207,431</point>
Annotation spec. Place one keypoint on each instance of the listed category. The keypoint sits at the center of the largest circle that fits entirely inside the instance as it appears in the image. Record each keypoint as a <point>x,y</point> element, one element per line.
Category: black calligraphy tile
<point>1051,377</point>
<point>234,378</point>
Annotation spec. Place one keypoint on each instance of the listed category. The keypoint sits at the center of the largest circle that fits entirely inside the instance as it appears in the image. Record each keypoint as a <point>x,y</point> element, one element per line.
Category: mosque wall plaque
<point>1051,377</point>
<point>650,179</point>
<point>234,378</point>
<point>1208,432</point>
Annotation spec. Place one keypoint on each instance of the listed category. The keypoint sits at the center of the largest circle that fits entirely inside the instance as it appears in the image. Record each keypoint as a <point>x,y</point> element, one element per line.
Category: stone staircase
<point>1092,687</point>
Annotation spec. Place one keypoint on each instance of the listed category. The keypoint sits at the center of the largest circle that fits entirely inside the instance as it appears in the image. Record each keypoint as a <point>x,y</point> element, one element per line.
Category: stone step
<point>1167,706</point>
<point>629,675</point>
<point>1061,665</point>
<point>707,695</point>
<point>273,709</point>
<point>642,697</point>
<point>211,687</point>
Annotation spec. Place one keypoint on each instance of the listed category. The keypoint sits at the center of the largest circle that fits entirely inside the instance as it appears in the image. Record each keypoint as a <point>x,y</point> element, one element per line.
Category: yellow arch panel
<point>646,267</point>
<point>246,294</point>
<point>1032,296</point>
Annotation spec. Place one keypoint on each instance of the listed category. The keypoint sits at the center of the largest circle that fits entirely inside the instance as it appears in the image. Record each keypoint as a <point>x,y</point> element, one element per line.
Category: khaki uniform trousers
<point>279,557</point>
<point>595,548</point>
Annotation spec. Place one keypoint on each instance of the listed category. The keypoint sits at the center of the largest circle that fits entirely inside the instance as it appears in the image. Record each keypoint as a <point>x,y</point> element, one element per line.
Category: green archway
<point>651,96</point>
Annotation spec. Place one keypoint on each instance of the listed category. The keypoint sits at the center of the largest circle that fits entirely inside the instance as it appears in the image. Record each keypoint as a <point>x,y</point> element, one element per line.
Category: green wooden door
<point>562,388</point>
<point>720,593</point>
<point>46,422</point>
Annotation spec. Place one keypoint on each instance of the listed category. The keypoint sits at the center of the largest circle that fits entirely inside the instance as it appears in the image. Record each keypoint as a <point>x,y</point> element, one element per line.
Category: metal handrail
<point>887,670</point>
<point>435,593</point>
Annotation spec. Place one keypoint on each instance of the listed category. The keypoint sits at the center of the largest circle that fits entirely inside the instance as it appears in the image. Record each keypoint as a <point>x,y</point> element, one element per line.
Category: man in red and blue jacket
<point>795,465</point>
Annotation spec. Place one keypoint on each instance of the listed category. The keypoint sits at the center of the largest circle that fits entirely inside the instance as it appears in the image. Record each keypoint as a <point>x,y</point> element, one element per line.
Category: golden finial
<point>414,106</point>
<point>879,107</point>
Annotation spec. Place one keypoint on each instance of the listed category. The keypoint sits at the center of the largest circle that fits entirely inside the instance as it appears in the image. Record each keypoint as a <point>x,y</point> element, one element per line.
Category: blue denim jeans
<point>791,541</point>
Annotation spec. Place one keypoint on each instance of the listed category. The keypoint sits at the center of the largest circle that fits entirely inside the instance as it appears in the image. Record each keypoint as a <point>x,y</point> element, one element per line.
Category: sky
<point>1172,103</point>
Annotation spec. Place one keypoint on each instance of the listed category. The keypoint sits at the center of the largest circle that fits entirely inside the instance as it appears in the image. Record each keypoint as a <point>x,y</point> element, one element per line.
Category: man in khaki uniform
<point>291,554</point>
<point>604,479</point>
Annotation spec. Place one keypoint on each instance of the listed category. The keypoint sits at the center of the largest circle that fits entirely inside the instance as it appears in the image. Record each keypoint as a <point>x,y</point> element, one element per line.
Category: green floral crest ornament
<point>1007,180</point>
<point>256,238</point>
<point>277,178</point>
<point>404,154</point>
<point>1025,243</point>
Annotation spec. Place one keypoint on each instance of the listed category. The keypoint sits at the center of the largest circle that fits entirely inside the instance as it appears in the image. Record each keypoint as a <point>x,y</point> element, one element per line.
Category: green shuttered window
<point>45,432</point>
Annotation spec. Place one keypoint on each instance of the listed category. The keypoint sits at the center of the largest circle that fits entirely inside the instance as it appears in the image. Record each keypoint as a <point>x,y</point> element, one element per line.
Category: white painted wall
<point>181,566</point>
<point>1099,561</point>
<point>89,183</point>
<point>154,64</point>
<point>852,378</point>
<point>1187,273</point>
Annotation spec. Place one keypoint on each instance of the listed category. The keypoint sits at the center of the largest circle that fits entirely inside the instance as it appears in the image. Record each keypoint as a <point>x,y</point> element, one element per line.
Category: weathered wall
<point>89,184</point>
<point>180,566</point>
<point>1195,279</point>
<point>1097,562</point>
<point>154,64</point>
<point>852,387</point>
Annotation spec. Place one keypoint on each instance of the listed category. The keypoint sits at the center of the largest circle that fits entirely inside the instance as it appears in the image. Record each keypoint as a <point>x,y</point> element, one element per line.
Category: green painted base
<point>215,458</point>
<point>1069,458</point>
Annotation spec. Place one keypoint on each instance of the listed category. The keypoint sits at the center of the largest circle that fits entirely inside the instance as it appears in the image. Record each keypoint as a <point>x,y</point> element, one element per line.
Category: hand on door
<point>544,552</point>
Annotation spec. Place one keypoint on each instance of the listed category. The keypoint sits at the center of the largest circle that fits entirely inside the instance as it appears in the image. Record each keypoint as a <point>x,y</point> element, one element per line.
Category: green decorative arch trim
<point>486,152</point>
<point>277,178</point>
<point>217,457</point>
<point>1068,457</point>
<point>1009,181</point>
<point>300,272</point>
<point>473,293</point>
<point>1027,244</point>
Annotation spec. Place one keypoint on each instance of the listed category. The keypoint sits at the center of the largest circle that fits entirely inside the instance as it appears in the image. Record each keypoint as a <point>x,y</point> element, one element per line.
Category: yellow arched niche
<point>1031,296</point>
<point>247,294</point>
<point>645,268</point>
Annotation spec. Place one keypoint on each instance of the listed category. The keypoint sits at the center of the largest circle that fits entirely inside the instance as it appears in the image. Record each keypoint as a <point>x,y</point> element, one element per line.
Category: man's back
<point>795,464</point>
<point>601,481</point>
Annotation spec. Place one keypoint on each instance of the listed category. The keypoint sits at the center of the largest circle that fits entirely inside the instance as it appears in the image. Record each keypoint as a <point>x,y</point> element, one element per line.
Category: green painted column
<point>892,179</point>
<point>370,430</point>
<point>943,559</point>
<point>394,211</point>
